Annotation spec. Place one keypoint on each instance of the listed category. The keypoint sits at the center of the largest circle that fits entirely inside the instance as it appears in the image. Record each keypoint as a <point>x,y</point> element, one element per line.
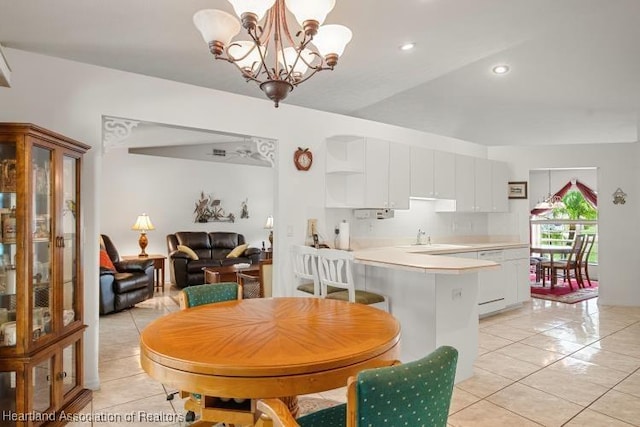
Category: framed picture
<point>518,190</point>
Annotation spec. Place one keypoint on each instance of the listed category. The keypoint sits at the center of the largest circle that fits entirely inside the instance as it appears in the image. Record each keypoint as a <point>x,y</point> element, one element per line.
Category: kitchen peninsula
<point>433,292</point>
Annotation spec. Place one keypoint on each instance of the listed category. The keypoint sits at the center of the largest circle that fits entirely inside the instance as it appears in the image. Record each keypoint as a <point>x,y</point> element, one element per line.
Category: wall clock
<point>303,158</point>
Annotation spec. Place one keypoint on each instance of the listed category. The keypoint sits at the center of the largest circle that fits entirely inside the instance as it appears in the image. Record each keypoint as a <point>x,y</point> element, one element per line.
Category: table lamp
<point>143,224</point>
<point>269,226</point>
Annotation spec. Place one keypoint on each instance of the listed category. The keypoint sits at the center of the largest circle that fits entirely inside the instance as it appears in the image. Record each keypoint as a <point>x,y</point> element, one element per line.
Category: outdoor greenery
<point>576,208</point>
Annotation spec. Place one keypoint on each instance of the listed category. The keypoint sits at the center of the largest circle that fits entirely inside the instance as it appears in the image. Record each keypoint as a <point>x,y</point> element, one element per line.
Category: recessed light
<point>407,46</point>
<point>501,69</point>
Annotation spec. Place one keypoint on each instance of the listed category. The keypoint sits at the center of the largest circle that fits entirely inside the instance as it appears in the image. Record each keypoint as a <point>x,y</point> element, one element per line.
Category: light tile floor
<point>546,363</point>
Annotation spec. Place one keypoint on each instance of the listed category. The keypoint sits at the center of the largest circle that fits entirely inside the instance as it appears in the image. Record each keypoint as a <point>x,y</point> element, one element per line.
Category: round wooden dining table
<point>268,347</point>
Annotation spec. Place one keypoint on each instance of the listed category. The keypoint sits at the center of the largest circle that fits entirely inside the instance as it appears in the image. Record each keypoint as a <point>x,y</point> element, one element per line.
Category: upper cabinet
<point>388,177</point>
<point>367,173</point>
<point>373,173</point>
<point>432,174</point>
<point>499,187</point>
<point>480,186</point>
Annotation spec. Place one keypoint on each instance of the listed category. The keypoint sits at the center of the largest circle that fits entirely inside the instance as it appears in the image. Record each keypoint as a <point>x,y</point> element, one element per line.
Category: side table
<point>158,266</point>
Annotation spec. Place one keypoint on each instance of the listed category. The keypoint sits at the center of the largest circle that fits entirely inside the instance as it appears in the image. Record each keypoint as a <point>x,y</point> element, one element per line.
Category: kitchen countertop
<point>429,258</point>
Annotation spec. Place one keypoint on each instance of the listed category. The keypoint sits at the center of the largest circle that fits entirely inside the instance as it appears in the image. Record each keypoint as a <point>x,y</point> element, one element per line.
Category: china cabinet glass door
<point>42,379</point>
<point>43,292</point>
<point>8,392</point>
<point>8,235</point>
<point>69,372</point>
<point>70,235</point>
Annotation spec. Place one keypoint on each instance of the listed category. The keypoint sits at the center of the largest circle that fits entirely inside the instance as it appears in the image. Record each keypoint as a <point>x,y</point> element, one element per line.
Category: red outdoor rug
<point>562,293</point>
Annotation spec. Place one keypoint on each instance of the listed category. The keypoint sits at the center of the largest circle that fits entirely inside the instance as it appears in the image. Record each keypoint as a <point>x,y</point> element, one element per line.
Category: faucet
<point>419,237</point>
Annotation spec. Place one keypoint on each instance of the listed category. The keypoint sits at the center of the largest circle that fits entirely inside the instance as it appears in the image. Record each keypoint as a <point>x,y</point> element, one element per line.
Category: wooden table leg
<point>292,404</point>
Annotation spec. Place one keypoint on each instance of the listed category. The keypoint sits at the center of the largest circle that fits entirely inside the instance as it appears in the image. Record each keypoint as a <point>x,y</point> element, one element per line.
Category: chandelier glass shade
<point>274,57</point>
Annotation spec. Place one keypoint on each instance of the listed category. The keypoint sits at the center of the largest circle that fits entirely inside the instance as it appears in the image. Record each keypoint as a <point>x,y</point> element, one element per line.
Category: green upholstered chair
<point>193,296</point>
<point>413,394</point>
<point>335,269</point>
<point>206,294</point>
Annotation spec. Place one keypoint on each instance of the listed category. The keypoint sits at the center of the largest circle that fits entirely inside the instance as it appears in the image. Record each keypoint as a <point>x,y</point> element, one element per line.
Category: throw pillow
<point>105,261</point>
<point>187,250</point>
<point>237,251</point>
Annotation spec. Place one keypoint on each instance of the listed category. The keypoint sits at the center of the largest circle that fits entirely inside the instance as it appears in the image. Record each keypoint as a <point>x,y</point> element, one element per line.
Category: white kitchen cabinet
<point>477,187</point>
<point>376,174</point>
<point>366,173</point>
<point>399,176</point>
<point>432,174</point>
<point>499,187</point>
<point>387,174</point>
<point>444,175</point>
<point>422,173</point>
<point>483,185</point>
<point>518,260</point>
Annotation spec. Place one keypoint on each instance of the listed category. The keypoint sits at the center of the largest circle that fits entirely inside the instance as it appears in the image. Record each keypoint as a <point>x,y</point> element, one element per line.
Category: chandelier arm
<point>302,46</point>
<point>234,59</point>
<point>257,40</point>
<point>315,70</point>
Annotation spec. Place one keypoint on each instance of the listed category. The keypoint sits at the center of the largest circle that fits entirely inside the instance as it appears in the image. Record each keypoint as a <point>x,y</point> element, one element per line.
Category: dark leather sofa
<point>212,250</point>
<point>129,284</point>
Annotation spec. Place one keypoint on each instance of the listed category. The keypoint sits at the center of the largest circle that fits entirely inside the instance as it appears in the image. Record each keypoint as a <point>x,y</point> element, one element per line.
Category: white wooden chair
<point>335,270</point>
<point>305,270</point>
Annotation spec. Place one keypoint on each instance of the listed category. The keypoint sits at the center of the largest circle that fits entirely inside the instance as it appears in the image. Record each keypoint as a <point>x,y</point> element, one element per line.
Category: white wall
<point>618,233</point>
<point>167,189</point>
<point>71,98</point>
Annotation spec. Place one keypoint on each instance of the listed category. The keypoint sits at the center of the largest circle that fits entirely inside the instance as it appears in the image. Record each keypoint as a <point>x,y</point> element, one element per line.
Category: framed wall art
<point>517,190</point>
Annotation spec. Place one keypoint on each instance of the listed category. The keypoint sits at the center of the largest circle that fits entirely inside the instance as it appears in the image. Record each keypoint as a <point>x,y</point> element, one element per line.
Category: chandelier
<point>274,58</point>
<point>551,201</point>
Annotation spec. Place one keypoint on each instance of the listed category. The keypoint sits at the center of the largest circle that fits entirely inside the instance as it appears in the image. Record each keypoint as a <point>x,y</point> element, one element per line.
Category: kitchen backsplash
<point>441,227</point>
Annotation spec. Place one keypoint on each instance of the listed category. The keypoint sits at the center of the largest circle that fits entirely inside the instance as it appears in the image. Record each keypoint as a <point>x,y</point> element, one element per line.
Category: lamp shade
<point>269,224</point>
<point>332,39</point>
<point>216,25</point>
<point>257,7</point>
<point>143,223</point>
<point>305,10</point>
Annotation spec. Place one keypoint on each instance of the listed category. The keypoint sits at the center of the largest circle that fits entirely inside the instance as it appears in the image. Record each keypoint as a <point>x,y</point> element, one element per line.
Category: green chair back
<point>412,394</point>
<point>207,294</point>
<point>416,394</point>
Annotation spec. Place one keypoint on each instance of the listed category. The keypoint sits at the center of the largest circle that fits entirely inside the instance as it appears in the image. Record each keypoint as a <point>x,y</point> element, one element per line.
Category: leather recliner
<point>212,250</point>
<point>129,284</point>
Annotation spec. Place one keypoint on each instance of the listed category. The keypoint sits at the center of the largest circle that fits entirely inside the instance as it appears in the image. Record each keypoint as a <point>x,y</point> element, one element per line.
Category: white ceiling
<point>575,64</point>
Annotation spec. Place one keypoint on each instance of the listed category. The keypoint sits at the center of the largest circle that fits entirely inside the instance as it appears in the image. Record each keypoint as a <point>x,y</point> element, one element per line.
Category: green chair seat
<point>362,297</point>
<point>330,417</point>
<point>308,288</point>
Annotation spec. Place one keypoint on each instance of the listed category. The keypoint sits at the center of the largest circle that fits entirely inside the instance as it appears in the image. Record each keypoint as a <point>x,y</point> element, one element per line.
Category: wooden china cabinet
<point>41,310</point>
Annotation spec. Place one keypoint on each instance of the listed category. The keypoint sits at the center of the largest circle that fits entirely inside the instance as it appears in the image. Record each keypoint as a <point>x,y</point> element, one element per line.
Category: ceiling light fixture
<point>407,46</point>
<point>501,69</point>
<point>551,201</point>
<point>293,59</point>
